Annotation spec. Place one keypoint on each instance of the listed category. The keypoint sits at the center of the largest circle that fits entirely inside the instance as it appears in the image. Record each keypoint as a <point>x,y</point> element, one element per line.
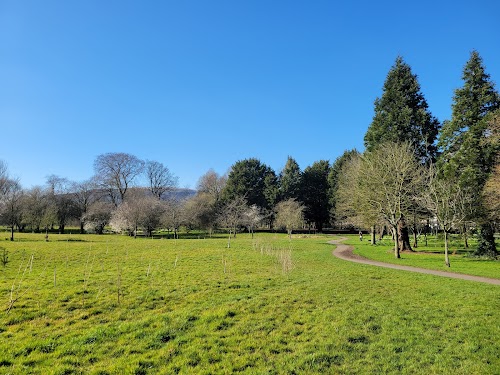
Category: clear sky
<point>201,84</point>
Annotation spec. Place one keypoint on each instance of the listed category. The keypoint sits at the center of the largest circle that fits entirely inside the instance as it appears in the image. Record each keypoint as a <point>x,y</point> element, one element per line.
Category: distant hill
<point>179,194</point>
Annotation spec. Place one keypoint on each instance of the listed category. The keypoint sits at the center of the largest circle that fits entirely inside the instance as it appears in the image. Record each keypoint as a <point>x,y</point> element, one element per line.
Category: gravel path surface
<point>345,252</point>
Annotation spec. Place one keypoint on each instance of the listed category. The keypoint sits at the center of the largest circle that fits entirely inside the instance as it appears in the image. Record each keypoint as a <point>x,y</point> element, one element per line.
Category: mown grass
<point>430,256</point>
<point>265,306</point>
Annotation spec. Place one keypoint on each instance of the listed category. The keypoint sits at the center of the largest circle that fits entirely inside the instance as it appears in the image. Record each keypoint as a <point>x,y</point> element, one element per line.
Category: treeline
<point>415,173</point>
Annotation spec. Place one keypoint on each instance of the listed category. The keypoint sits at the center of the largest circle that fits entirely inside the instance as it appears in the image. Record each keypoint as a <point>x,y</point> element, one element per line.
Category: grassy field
<point>430,256</point>
<point>114,305</point>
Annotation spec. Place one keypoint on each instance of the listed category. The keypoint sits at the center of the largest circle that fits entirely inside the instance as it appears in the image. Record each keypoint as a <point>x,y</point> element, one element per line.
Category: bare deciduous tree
<point>160,179</point>
<point>116,172</point>
<point>61,199</point>
<point>384,184</point>
<point>289,215</point>
<point>39,210</point>
<point>11,204</point>
<point>97,217</point>
<point>138,213</point>
<point>4,176</point>
<point>252,217</point>
<point>231,216</point>
<point>201,211</point>
<point>84,195</point>
<point>448,202</point>
<point>213,184</point>
<point>173,215</point>
<point>492,194</point>
<point>351,205</point>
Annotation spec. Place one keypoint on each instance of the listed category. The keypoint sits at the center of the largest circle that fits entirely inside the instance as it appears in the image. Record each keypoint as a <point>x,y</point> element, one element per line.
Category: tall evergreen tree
<point>290,180</point>
<point>252,180</point>
<point>402,115</point>
<point>315,193</point>
<point>465,156</point>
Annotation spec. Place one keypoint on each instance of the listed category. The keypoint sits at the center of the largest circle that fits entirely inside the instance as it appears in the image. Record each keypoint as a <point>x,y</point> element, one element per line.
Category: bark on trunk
<point>373,240</point>
<point>403,236</point>
<point>396,243</point>
<point>446,257</point>
<point>382,232</point>
<point>466,240</point>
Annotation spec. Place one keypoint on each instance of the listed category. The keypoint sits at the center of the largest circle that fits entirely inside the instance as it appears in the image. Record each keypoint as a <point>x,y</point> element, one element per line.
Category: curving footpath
<point>345,252</point>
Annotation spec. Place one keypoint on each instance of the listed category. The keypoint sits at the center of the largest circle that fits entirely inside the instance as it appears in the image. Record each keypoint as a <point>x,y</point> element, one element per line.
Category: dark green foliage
<point>486,242</point>
<point>402,115</point>
<point>254,181</point>
<point>315,193</point>
<point>465,154</point>
<point>290,180</point>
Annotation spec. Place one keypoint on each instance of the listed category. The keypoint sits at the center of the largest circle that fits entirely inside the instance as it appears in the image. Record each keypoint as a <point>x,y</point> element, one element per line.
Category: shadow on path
<point>345,252</point>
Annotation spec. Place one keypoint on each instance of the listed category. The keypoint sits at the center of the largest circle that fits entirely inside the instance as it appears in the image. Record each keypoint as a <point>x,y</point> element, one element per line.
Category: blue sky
<point>201,84</point>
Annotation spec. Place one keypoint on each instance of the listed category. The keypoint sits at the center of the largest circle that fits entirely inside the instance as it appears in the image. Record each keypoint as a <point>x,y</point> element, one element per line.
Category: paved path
<point>346,252</point>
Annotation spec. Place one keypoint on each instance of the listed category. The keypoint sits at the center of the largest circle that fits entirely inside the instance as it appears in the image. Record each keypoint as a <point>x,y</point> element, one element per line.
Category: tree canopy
<point>252,180</point>
<point>402,114</point>
<point>466,156</point>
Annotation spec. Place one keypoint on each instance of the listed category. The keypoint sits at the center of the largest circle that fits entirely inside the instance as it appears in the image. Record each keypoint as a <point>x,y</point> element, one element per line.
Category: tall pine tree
<point>402,115</point>
<point>290,180</point>
<point>464,154</point>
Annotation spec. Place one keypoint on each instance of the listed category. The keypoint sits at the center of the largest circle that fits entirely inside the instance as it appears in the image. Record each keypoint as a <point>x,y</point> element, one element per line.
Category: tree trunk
<point>396,243</point>
<point>425,231</point>
<point>373,240</point>
<point>82,231</point>
<point>466,240</point>
<point>403,236</point>
<point>382,232</point>
<point>12,232</point>
<point>446,257</point>
<point>415,240</point>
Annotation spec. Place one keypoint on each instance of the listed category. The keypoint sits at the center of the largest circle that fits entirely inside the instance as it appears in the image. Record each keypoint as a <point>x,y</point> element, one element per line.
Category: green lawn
<point>114,305</point>
<point>430,256</point>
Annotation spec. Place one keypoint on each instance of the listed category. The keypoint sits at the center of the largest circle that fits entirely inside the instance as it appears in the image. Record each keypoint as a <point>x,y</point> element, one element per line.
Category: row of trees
<point>89,202</point>
<point>414,168</point>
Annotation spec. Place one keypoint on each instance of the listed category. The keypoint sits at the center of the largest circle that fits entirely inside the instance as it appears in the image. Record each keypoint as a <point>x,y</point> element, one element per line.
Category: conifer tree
<point>254,181</point>
<point>402,115</point>
<point>465,156</point>
<point>290,180</point>
<point>315,193</point>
